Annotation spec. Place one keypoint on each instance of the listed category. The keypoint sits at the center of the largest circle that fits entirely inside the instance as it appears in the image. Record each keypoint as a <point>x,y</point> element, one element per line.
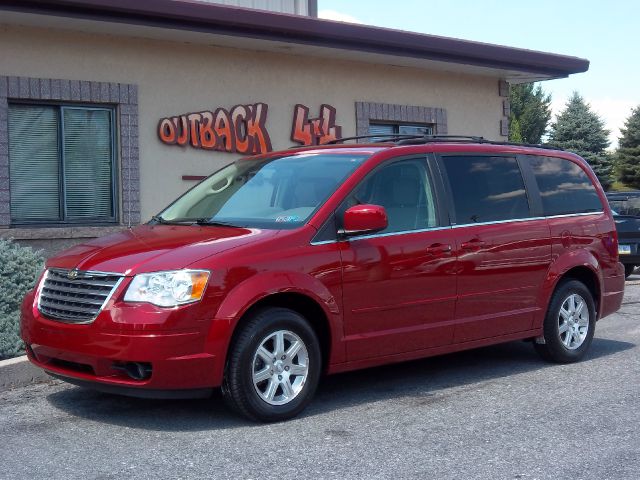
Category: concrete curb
<point>19,372</point>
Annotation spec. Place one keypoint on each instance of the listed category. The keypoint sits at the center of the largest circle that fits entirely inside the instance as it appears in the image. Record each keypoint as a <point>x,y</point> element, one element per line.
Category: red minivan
<point>281,267</point>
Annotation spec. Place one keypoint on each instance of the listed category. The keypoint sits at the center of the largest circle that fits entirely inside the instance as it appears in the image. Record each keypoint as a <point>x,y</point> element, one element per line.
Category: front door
<point>399,285</point>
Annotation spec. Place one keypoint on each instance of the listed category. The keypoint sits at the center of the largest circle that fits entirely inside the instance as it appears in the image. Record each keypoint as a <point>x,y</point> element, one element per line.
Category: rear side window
<point>486,189</point>
<point>564,187</point>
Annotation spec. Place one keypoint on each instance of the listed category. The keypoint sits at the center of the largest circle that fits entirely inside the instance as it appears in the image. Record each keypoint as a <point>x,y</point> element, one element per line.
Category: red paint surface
<point>365,218</point>
<point>383,299</point>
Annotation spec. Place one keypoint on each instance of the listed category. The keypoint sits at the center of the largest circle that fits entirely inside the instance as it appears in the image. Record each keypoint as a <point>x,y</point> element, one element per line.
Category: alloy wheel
<point>573,321</point>
<point>280,367</point>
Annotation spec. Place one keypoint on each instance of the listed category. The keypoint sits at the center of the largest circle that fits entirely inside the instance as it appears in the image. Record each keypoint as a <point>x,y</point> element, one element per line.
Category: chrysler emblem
<point>72,275</point>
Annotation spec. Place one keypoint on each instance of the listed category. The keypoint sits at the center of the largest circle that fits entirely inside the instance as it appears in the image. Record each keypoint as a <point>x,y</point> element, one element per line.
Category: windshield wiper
<point>192,221</point>
<point>175,221</point>
<point>215,223</point>
<point>159,219</point>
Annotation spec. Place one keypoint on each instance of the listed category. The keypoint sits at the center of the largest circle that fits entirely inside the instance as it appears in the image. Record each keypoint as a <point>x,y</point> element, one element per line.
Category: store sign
<point>315,131</point>
<point>243,128</point>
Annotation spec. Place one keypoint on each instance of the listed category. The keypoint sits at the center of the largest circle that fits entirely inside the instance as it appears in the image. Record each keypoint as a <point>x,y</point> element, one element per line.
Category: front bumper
<point>95,353</point>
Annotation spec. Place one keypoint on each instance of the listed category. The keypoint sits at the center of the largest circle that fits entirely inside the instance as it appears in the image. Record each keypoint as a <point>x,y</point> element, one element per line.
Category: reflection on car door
<point>399,285</point>
<point>503,253</point>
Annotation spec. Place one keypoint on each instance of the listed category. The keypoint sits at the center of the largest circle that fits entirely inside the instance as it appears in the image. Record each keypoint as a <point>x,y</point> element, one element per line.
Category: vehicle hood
<point>151,248</point>
<point>627,225</point>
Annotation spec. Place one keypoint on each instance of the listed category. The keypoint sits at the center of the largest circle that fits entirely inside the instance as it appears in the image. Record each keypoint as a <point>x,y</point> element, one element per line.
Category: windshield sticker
<point>287,218</point>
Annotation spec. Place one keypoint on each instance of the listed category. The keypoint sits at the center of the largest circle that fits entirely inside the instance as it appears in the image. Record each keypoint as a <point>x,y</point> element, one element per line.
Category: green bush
<point>19,269</point>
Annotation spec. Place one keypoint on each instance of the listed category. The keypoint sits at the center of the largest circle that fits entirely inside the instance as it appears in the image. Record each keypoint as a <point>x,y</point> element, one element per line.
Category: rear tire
<point>273,367</point>
<point>628,270</point>
<point>569,324</point>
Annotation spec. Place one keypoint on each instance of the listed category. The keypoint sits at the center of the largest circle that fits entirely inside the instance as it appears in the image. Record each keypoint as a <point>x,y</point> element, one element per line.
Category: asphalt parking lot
<point>494,413</point>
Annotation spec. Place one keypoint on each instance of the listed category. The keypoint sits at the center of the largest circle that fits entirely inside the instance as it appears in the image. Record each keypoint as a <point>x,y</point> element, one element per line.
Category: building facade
<point>110,111</point>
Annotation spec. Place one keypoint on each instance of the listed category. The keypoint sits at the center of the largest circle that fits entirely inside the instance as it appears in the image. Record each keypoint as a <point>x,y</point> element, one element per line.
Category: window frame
<point>327,234</point>
<point>63,220</point>
<point>533,197</point>
<point>534,188</point>
<point>373,112</point>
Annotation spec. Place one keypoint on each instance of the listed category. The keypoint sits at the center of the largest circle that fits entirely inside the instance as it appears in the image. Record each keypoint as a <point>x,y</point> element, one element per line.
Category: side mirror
<point>363,219</point>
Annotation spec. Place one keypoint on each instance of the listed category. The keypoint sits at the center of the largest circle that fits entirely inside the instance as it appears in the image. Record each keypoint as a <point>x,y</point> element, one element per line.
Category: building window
<point>387,118</point>
<point>388,129</point>
<point>61,164</point>
<point>74,157</point>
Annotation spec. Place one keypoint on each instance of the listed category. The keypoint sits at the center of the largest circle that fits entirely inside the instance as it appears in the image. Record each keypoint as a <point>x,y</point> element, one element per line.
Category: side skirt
<point>431,352</point>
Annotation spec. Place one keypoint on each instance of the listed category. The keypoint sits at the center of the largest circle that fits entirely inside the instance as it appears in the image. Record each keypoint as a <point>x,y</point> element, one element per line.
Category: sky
<point>605,33</point>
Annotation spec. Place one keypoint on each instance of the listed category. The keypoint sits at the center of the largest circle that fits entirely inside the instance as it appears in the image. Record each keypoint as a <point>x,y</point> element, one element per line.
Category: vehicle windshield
<point>274,193</point>
<point>626,206</point>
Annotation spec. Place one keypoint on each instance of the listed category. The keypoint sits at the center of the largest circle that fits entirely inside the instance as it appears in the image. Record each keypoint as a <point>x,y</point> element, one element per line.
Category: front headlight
<point>168,289</point>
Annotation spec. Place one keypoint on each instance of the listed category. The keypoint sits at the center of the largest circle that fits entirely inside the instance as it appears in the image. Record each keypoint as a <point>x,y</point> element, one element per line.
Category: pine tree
<point>628,153</point>
<point>530,113</point>
<point>515,130</point>
<point>580,130</point>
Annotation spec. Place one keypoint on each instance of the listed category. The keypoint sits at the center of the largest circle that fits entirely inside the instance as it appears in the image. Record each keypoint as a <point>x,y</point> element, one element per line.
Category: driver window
<point>404,190</point>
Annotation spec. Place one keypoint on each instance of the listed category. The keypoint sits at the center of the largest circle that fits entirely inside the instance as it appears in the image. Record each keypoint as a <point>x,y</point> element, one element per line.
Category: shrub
<point>19,269</point>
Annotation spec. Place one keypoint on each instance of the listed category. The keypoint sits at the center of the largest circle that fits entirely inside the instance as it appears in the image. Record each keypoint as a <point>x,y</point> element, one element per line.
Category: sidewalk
<point>18,372</point>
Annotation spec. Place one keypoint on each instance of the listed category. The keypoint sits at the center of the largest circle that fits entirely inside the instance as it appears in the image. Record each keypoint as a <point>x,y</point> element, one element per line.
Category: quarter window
<point>486,189</point>
<point>564,186</point>
<point>61,164</point>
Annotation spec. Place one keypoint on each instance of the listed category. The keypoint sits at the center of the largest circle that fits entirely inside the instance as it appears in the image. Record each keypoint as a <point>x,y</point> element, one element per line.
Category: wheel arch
<point>300,292</point>
<point>589,278</point>
<point>300,303</point>
<point>585,271</point>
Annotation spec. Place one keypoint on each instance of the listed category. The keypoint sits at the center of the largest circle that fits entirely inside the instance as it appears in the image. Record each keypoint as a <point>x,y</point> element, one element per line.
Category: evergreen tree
<point>530,113</point>
<point>515,130</point>
<point>628,153</point>
<point>580,130</point>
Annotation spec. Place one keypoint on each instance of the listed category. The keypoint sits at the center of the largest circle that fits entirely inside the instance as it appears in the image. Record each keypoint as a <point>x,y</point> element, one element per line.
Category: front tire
<point>273,366</point>
<point>569,324</point>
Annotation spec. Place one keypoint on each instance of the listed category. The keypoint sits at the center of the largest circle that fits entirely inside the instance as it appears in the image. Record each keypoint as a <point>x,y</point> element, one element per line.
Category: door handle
<point>438,249</point>
<point>472,245</point>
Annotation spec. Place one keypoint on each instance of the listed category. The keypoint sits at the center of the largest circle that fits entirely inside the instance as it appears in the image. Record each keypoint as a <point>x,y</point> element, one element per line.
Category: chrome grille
<point>75,296</point>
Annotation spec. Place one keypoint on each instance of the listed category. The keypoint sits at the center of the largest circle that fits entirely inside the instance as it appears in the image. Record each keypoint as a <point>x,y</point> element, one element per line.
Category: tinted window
<point>404,190</point>
<point>486,189</point>
<point>564,187</point>
<point>626,205</point>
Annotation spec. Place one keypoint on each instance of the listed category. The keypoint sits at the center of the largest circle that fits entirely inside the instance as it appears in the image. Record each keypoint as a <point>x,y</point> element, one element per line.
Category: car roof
<point>485,147</point>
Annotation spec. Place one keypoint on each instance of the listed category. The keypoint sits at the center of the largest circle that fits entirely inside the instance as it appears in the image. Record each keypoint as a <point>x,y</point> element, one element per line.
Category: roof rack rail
<point>546,146</point>
<point>389,137</point>
<point>404,139</point>
<point>442,138</point>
